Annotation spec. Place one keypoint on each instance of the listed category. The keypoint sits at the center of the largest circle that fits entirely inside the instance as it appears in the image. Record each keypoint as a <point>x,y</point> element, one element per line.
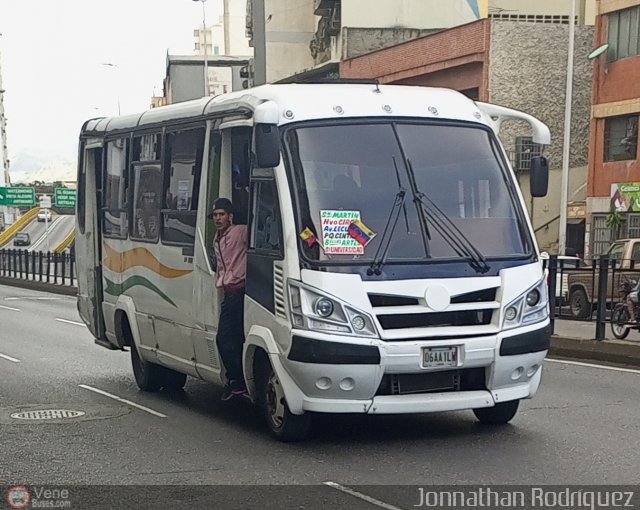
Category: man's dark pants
<point>230,337</point>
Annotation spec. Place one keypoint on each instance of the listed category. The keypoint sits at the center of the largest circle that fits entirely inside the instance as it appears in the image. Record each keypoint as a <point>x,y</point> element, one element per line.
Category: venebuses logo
<point>18,496</point>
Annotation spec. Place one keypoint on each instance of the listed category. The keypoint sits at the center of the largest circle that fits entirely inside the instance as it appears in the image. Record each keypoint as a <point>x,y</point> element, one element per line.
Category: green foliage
<point>615,219</point>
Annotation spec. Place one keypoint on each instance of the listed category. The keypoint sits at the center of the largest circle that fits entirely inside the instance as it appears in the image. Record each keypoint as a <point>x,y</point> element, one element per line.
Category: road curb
<point>66,290</point>
<point>611,351</point>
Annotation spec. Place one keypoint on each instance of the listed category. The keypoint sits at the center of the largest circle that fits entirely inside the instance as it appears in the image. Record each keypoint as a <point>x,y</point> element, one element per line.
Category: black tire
<point>619,318</point>
<point>500,414</point>
<point>579,304</point>
<point>149,376</point>
<point>284,426</point>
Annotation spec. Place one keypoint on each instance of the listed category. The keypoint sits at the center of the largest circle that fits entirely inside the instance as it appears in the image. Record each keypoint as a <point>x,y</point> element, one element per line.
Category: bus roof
<point>298,102</point>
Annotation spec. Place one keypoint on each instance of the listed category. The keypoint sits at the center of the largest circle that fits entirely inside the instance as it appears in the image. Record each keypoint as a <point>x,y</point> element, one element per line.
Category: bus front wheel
<point>499,414</point>
<point>284,425</point>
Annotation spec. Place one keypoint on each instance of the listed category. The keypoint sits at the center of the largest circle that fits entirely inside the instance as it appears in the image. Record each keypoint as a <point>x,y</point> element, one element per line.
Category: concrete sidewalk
<point>575,340</point>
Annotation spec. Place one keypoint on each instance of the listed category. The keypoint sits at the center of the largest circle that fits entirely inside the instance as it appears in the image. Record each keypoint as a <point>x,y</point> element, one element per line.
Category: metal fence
<point>38,266</point>
<point>588,290</point>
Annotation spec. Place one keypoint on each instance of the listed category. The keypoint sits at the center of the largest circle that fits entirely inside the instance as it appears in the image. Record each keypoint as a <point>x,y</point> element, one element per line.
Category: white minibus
<point>391,266</point>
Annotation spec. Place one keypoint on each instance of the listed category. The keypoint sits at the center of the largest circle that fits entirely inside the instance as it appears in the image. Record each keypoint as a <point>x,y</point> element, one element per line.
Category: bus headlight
<point>323,307</point>
<point>533,297</point>
<point>358,322</point>
<point>312,309</point>
<point>511,313</point>
<point>531,307</point>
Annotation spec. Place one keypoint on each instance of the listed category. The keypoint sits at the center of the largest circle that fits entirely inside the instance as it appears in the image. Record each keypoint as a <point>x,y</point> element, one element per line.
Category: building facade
<point>225,38</point>
<point>613,202</point>
<point>515,64</point>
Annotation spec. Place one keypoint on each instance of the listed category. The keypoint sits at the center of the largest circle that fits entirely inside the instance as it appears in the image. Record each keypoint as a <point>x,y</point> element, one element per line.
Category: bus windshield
<point>348,179</point>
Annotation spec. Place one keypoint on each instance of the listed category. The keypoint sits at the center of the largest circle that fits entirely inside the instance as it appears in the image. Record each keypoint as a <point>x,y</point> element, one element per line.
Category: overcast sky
<point>52,53</point>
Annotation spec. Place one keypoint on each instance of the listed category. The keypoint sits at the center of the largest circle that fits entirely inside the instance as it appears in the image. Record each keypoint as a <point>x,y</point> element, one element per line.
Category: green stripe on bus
<point>115,289</point>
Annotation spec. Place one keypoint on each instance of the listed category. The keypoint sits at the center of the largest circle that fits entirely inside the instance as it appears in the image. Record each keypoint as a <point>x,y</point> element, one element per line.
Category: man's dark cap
<point>224,204</point>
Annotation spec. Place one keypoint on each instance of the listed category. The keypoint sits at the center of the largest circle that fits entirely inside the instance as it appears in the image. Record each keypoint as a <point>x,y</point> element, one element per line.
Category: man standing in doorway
<point>230,247</point>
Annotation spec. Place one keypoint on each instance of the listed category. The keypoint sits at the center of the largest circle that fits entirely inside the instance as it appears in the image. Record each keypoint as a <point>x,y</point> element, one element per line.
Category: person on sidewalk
<point>230,247</point>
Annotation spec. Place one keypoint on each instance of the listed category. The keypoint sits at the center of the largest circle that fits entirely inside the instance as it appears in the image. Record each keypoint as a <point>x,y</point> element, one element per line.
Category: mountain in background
<point>34,166</point>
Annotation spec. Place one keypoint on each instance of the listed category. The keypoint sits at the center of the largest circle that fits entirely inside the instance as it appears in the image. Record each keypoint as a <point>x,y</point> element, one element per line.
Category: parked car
<point>565,264</point>
<point>584,285</point>
<point>44,215</point>
<point>22,239</point>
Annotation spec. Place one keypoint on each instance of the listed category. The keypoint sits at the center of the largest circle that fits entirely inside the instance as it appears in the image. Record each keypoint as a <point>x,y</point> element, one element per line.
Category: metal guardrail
<point>45,267</point>
<point>587,290</point>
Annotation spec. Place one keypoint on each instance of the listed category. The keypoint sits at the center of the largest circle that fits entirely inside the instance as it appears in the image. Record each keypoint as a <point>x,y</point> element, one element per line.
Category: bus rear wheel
<point>284,425</point>
<point>499,414</point>
<point>152,377</point>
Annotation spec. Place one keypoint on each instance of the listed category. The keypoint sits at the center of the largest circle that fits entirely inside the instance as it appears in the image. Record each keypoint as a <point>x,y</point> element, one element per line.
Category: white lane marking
<point>33,298</point>
<point>47,233</point>
<point>592,365</point>
<point>123,400</point>
<point>10,308</point>
<point>70,322</point>
<point>361,496</point>
<point>9,358</point>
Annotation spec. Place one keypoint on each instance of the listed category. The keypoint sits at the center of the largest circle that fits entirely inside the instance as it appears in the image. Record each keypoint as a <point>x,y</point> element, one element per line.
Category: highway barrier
<point>68,241</point>
<point>52,268</point>
<point>24,220</point>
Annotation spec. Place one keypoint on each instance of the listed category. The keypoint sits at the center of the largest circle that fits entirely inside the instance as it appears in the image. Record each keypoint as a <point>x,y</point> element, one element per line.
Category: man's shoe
<point>230,393</point>
<point>227,394</point>
<point>239,392</point>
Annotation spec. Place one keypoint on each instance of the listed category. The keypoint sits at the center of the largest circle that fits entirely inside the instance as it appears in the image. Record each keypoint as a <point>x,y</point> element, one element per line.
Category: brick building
<point>614,170</point>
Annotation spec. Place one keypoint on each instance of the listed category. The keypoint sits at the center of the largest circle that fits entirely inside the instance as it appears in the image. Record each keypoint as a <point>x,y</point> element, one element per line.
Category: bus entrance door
<point>87,244</point>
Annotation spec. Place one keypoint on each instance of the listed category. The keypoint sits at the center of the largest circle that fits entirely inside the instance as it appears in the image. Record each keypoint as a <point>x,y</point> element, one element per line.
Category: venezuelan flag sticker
<point>361,233</point>
<point>308,236</point>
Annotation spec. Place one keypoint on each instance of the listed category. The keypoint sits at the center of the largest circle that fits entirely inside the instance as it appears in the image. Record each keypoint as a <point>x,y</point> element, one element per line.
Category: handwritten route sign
<point>335,232</point>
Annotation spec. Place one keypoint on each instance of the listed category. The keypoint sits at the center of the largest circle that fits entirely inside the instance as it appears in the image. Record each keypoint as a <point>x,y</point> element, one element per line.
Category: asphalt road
<point>578,430</point>
<point>59,228</point>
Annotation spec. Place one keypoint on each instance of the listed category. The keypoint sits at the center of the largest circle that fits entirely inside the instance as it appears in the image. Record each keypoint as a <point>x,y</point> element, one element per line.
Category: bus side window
<point>240,167</point>
<point>116,184</point>
<point>182,170</point>
<point>146,184</point>
<point>266,227</point>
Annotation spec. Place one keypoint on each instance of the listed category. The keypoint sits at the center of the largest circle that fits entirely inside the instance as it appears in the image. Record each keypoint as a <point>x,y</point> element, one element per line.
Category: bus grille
<point>395,312</point>
<point>436,319</point>
<point>465,379</point>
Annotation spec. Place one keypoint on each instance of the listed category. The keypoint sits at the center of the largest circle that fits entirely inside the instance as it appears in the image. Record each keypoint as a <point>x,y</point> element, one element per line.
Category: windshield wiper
<point>447,229</point>
<point>385,241</point>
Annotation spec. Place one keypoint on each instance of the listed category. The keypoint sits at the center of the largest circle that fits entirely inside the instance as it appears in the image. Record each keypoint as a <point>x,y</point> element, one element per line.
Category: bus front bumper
<point>422,403</point>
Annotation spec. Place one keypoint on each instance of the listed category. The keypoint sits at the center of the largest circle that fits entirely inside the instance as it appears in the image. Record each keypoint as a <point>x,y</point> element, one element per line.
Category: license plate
<point>439,357</point>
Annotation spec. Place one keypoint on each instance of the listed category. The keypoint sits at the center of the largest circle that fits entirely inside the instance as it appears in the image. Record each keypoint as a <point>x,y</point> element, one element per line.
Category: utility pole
<point>204,33</point>
<point>5,179</point>
<point>3,134</point>
<point>566,144</point>
<point>259,43</point>
<point>227,21</point>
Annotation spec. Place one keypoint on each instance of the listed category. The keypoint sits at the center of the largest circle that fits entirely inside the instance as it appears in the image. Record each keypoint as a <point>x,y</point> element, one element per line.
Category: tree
<point>615,219</point>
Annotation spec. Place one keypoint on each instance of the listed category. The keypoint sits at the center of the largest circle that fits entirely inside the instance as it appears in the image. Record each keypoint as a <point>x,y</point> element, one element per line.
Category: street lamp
<point>115,66</point>
<point>564,187</point>
<point>204,29</point>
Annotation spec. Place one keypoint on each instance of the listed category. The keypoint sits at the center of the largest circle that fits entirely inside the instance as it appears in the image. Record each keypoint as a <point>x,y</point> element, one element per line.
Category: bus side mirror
<point>539,177</point>
<point>267,145</point>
